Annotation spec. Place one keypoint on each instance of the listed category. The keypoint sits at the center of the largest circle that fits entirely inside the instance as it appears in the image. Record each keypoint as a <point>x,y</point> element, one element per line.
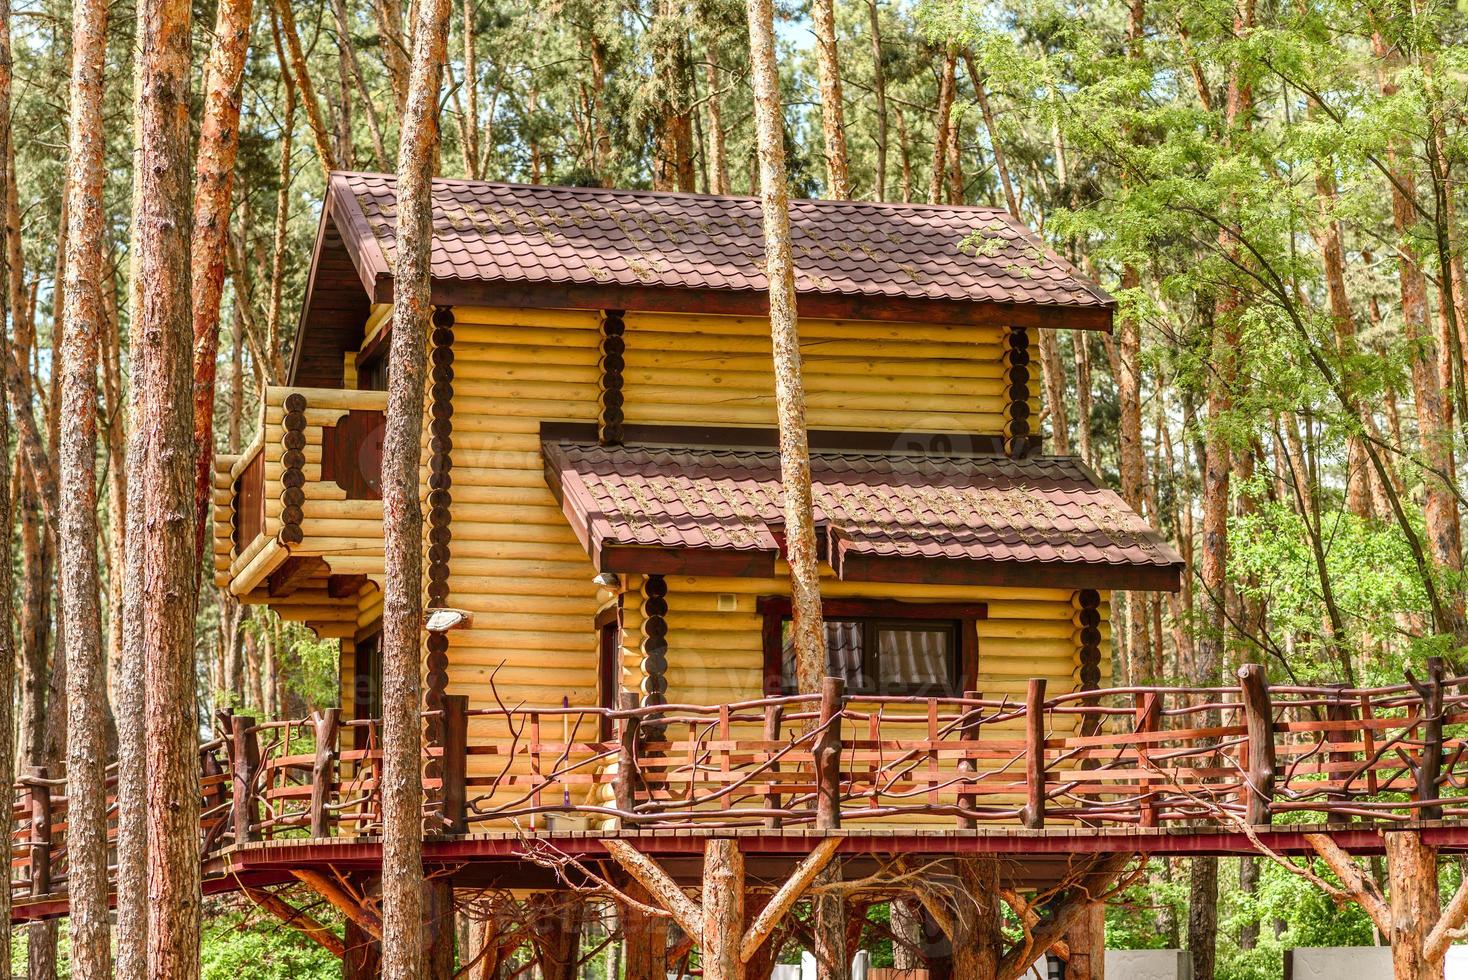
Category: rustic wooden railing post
<point>1259,724</point>
<point>1148,721</point>
<point>40,816</point>
<point>774,715</point>
<point>1033,815</point>
<point>455,763</point>
<point>245,762</point>
<point>323,769</point>
<point>1339,709</point>
<point>827,755</point>
<point>1430,760</point>
<point>625,787</point>
<point>968,730</point>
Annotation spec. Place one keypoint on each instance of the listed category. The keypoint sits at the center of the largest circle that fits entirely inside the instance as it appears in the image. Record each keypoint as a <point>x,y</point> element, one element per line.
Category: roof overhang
<point>672,533</point>
<point>350,273</point>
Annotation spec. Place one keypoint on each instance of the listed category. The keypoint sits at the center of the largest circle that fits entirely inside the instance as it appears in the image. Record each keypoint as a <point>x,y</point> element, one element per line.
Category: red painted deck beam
<point>270,863</point>
<point>1283,840</point>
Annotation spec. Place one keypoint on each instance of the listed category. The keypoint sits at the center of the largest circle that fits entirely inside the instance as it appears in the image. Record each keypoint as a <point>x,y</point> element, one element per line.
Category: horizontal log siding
<point>715,657</point>
<point>516,564</point>
<point>898,377</point>
<point>518,568</point>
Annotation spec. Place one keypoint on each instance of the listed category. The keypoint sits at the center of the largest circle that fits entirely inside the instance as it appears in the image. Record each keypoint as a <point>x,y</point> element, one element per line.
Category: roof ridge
<point>694,196</point>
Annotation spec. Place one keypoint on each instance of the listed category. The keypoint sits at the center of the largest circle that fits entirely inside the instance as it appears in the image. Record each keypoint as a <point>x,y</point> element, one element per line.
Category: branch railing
<point>1250,754</point>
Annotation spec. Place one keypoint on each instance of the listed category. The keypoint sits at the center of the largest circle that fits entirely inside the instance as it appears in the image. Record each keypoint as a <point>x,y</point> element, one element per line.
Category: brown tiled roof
<point>993,513</point>
<point>640,240</point>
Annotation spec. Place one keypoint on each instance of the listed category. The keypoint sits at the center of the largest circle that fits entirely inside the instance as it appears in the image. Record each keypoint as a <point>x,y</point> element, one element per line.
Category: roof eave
<point>749,302</point>
<point>629,559</point>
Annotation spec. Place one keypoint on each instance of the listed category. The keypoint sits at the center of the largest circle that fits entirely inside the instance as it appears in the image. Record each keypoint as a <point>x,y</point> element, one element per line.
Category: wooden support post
<point>556,932</point>
<point>363,957</point>
<point>1259,722</point>
<point>627,727</point>
<point>968,732</point>
<point>1430,760</point>
<point>40,818</point>
<point>1416,905</point>
<point>644,936</point>
<point>774,714</point>
<point>245,762</point>
<point>827,755</point>
<point>1034,812</point>
<point>1087,942</point>
<point>723,910</point>
<point>323,770</point>
<point>1148,720</point>
<point>969,916</point>
<point>438,929</point>
<point>455,767</point>
<point>1340,709</point>
<point>768,918</point>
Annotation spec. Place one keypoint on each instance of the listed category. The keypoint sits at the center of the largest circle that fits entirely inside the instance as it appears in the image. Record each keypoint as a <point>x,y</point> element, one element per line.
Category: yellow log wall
<point>903,378</point>
<point>514,562</point>
<point>716,657</point>
<point>516,565</point>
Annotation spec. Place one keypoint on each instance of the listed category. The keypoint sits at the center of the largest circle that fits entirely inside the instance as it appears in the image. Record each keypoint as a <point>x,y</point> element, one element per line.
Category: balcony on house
<point>299,511</point>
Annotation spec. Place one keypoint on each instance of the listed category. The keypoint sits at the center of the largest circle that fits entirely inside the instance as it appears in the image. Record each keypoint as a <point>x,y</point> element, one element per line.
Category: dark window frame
<point>964,616</point>
<point>608,624</point>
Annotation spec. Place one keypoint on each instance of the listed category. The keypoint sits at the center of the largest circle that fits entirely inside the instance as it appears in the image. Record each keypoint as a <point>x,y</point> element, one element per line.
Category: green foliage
<point>312,666</point>
<point>237,946</point>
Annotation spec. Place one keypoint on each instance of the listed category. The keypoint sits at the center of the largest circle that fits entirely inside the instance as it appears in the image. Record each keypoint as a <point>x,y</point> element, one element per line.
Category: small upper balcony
<point>302,505</point>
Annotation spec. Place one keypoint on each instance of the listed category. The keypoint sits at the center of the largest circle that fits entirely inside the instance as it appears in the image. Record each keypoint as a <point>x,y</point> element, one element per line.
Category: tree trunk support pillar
<point>1087,941</point>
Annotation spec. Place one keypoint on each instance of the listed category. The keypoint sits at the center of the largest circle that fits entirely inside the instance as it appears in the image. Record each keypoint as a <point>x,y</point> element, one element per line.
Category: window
<point>882,647</point>
<point>878,656</point>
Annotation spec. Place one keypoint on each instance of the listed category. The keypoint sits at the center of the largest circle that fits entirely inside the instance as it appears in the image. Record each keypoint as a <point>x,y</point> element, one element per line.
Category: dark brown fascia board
<point>758,437</point>
<point>753,302</point>
<point>1010,574</point>
<point>736,563</point>
<point>362,246</point>
<point>715,562</point>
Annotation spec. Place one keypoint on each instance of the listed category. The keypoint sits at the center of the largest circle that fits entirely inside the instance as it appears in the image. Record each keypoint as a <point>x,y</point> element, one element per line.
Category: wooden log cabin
<point>600,465</point>
<point>603,522</point>
<point>609,700</point>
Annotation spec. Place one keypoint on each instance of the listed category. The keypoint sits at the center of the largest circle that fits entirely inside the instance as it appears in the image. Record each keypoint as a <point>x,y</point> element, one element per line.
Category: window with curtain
<point>885,656</point>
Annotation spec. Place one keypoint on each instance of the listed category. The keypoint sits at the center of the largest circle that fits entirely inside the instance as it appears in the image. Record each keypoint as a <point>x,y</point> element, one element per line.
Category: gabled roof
<point>517,245</point>
<point>884,516</point>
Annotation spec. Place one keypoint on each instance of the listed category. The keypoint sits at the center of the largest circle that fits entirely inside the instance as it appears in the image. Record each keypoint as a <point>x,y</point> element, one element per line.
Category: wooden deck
<point>510,791</point>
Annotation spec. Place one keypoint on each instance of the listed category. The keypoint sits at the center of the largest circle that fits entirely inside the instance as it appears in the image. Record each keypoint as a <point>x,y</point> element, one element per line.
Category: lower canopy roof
<point>710,503</point>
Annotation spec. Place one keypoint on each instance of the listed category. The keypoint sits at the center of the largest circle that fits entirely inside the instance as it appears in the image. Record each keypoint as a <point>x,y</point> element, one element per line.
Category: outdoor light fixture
<point>608,580</point>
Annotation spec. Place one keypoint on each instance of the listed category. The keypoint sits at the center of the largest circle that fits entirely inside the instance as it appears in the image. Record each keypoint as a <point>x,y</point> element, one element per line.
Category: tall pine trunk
<point>833,123</point>
<point>800,538</point>
<point>8,651</point>
<point>879,98</point>
<point>169,567</point>
<point>219,141</point>
<point>402,611</point>
<point>132,802</point>
<point>808,626</point>
<point>1434,407</point>
<point>78,534</point>
<point>942,116</point>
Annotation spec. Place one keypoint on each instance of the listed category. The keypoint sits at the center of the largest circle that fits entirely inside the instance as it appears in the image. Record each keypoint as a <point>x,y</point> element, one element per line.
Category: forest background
<point>1272,191</point>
